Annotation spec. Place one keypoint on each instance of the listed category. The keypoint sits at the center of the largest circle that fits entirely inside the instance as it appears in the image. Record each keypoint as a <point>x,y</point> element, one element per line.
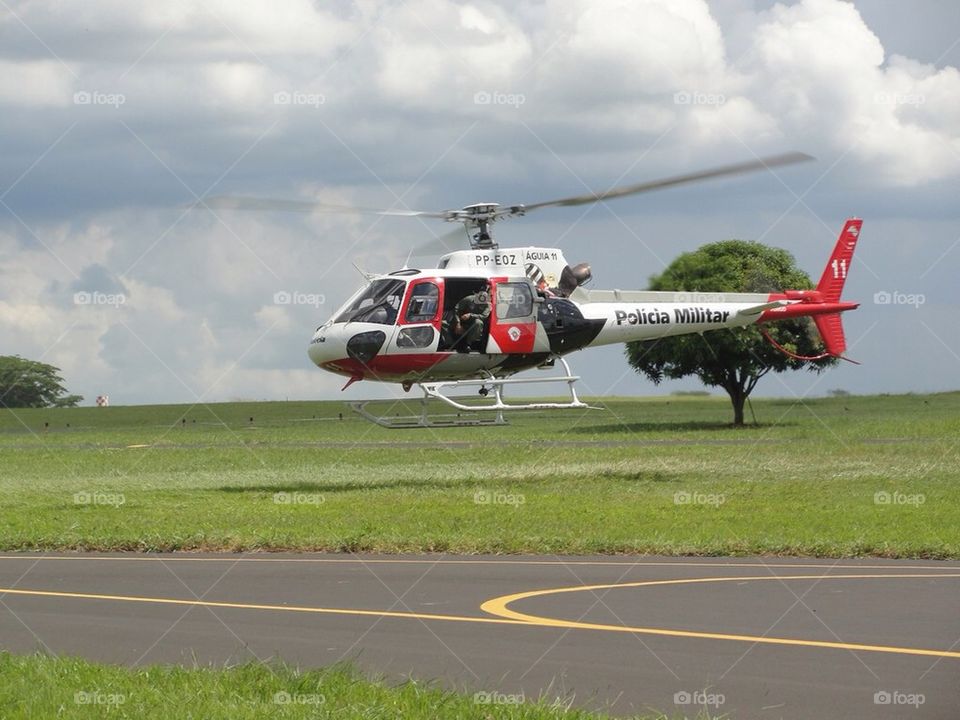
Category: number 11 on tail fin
<point>831,284</point>
<point>838,267</point>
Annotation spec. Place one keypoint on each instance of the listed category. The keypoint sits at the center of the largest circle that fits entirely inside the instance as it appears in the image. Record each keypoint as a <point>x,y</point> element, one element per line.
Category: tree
<point>733,359</point>
<point>32,384</point>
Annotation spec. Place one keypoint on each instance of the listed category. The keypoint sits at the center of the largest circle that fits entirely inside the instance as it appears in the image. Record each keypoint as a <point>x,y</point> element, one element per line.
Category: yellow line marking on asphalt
<point>364,560</point>
<point>258,606</point>
<point>499,607</point>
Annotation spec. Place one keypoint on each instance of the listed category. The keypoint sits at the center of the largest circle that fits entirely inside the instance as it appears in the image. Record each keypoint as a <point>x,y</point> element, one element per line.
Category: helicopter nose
<point>325,346</point>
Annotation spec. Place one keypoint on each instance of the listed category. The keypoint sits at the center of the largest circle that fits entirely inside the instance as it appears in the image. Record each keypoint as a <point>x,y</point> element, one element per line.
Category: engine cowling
<point>573,277</point>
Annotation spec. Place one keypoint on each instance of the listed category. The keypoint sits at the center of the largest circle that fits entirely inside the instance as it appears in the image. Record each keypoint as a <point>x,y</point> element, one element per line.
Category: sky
<point>115,117</point>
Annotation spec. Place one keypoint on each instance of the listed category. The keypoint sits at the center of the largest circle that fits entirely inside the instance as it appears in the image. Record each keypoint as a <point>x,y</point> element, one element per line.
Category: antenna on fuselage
<point>366,276</point>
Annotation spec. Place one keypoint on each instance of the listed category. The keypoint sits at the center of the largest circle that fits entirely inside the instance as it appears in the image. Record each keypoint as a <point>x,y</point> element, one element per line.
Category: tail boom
<point>629,316</point>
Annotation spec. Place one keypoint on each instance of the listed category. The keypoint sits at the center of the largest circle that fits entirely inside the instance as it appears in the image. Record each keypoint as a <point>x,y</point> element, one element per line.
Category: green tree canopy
<point>32,384</point>
<point>733,359</point>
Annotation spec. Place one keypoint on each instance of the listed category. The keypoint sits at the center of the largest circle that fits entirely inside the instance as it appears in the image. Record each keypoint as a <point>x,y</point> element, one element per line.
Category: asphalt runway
<point>749,638</point>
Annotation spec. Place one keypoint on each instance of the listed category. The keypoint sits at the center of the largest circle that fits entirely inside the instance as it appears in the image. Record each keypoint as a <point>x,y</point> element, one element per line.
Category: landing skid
<point>485,412</point>
<point>425,418</point>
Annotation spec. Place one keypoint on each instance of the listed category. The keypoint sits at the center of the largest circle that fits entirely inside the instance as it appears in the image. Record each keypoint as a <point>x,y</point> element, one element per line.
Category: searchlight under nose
<point>364,346</point>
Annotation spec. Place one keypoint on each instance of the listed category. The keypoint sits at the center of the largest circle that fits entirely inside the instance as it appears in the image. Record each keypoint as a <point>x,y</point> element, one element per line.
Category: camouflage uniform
<point>477,309</point>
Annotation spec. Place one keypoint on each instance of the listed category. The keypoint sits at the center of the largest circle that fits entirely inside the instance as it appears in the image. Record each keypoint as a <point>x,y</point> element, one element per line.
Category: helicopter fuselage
<point>402,327</point>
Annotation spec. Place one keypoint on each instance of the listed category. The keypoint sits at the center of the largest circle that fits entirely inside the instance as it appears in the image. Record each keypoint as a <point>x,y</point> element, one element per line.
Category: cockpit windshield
<point>378,303</point>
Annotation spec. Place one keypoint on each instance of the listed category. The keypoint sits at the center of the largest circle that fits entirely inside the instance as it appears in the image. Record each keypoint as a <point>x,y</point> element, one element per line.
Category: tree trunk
<point>738,400</point>
<point>738,396</point>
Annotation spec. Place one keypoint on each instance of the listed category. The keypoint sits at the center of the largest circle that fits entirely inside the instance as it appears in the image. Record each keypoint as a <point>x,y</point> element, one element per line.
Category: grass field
<point>43,687</point>
<point>829,477</point>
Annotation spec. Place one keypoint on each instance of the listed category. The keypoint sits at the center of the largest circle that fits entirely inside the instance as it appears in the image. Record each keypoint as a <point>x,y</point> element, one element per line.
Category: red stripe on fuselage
<point>387,365</point>
<point>424,367</point>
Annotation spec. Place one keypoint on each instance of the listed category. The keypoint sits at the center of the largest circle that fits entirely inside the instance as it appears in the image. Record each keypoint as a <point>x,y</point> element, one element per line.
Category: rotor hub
<point>479,217</point>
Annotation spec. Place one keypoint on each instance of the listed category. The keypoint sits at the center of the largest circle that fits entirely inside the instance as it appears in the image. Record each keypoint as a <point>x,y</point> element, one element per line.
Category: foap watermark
<point>285,698</point>
<point>887,98</point>
<point>99,498</point>
<point>298,498</point>
<point>95,97</point>
<point>697,297</point>
<point>99,298</point>
<point>885,297</point>
<point>298,98</point>
<point>485,97</point>
<point>882,497</point>
<point>498,497</point>
<point>282,297</point>
<point>685,497</point>
<point>497,698</point>
<point>898,697</point>
<point>98,697</point>
<point>699,698</point>
<point>686,97</point>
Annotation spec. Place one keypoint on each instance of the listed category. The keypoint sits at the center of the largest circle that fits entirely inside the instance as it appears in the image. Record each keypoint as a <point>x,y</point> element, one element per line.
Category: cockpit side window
<point>379,303</point>
<point>514,300</point>
<point>424,303</point>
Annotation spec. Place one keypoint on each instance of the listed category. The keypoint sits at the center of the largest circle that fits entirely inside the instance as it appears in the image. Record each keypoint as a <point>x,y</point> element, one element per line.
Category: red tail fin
<point>838,267</point>
<point>823,304</point>
<point>831,283</point>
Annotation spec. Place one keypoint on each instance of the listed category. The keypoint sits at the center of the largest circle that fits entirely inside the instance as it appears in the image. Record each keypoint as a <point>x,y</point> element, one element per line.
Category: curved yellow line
<point>499,607</point>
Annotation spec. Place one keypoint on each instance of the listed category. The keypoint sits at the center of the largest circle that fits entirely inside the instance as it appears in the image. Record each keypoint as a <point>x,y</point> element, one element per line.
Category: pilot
<point>472,312</point>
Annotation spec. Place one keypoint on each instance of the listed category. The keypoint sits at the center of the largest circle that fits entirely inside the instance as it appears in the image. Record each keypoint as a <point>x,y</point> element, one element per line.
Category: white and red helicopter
<point>401,326</point>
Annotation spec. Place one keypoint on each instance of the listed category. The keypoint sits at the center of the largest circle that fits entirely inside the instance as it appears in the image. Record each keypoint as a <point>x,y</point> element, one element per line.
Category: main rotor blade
<point>722,171</point>
<point>234,202</point>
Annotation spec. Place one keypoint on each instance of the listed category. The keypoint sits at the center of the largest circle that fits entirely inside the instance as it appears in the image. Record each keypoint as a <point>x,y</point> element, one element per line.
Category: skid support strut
<point>490,411</point>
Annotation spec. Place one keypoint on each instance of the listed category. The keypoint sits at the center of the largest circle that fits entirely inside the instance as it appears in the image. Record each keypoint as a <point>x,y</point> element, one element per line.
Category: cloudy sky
<point>116,115</point>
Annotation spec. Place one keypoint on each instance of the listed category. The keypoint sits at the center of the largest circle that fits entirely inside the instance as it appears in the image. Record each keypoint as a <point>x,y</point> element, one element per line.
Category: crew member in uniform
<point>472,313</point>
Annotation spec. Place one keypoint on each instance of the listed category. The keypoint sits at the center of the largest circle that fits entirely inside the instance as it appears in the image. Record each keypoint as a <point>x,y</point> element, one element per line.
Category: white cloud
<point>612,51</point>
<point>712,125</point>
<point>433,53</point>
<point>821,71</point>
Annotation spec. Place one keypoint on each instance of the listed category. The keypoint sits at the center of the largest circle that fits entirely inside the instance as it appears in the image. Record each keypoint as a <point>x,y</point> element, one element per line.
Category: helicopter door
<point>419,319</point>
<point>513,322</point>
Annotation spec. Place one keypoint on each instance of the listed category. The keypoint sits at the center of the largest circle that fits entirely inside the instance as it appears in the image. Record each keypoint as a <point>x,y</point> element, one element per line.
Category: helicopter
<point>407,326</point>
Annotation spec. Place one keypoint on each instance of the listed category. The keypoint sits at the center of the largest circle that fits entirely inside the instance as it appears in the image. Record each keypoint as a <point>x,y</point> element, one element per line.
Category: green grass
<point>803,482</point>
<point>39,686</point>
